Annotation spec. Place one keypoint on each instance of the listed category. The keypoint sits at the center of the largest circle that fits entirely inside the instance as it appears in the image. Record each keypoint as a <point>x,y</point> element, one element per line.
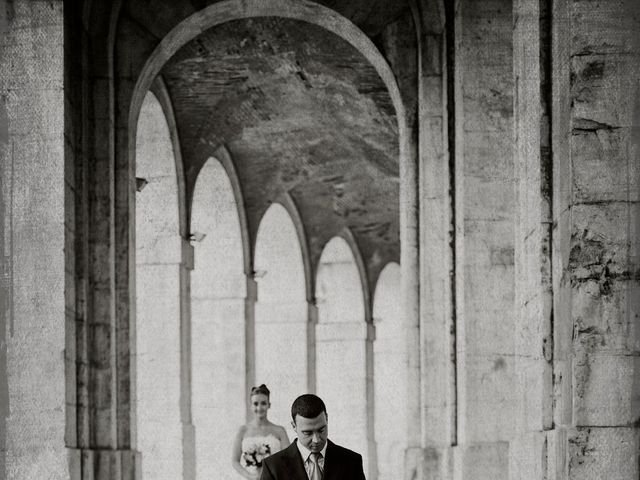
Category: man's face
<point>312,432</point>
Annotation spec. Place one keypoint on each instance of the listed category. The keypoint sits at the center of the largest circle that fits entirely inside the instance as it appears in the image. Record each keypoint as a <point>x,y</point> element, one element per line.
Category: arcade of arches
<point>427,212</point>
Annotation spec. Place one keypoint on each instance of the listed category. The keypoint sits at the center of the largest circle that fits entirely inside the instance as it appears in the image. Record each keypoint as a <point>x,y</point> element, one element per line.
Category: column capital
<point>252,287</point>
<point>187,254</point>
<point>312,312</point>
<point>371,331</point>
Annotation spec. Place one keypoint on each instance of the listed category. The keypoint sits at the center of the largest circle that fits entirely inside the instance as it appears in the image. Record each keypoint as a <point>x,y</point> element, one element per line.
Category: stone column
<point>410,286</point>
<point>485,233</point>
<point>398,42</point>
<point>534,296</point>
<point>37,232</point>
<point>186,415</point>
<point>312,322</point>
<point>372,446</point>
<point>596,218</point>
<point>103,291</point>
<point>249,303</point>
<point>437,295</point>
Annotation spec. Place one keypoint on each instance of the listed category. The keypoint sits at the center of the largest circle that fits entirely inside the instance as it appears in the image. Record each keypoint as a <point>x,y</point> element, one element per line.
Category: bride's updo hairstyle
<point>260,389</point>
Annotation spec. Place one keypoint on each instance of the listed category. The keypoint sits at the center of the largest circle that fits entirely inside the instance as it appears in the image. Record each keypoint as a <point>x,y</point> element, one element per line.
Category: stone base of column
<point>188,451</point>
<point>98,464</point>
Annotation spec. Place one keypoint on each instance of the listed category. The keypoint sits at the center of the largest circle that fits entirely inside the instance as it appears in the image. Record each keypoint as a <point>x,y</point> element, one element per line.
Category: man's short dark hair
<point>307,406</point>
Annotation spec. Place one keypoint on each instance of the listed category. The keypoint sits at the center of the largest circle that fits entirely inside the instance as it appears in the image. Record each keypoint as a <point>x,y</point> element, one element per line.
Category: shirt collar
<point>305,452</point>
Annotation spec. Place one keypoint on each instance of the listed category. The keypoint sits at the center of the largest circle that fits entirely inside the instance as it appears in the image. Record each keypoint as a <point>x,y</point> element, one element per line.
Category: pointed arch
<point>158,296</point>
<point>304,10</point>
<point>348,237</point>
<point>281,311</point>
<point>311,12</point>
<point>218,317</point>
<point>159,90</point>
<point>223,156</point>
<point>278,247</point>
<point>290,206</point>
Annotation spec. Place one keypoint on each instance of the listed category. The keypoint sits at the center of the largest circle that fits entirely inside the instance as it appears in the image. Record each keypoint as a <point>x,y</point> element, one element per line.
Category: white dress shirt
<point>306,457</point>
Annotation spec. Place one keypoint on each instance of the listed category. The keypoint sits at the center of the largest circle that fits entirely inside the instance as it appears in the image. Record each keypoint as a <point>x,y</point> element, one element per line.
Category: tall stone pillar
<point>437,295</point>
<point>312,322</point>
<point>485,233</point>
<point>529,447</point>
<point>37,232</point>
<point>186,410</point>
<point>372,446</point>
<point>103,291</point>
<point>595,256</point>
<point>249,304</point>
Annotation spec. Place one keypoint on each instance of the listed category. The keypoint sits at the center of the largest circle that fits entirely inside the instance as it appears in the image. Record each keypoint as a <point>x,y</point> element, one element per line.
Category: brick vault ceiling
<point>300,111</point>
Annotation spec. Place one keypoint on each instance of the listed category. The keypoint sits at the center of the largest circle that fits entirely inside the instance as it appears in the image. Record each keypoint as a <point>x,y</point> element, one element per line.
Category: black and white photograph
<point>319,239</point>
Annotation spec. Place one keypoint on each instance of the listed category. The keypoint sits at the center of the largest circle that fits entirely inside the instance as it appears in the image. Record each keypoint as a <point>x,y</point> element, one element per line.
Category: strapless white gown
<point>257,448</point>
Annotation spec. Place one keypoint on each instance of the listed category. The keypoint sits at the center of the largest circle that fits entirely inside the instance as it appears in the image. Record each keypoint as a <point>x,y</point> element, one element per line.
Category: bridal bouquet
<point>254,454</point>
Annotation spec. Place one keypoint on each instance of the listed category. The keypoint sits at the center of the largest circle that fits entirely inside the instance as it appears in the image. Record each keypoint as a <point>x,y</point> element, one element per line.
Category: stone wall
<point>595,239</point>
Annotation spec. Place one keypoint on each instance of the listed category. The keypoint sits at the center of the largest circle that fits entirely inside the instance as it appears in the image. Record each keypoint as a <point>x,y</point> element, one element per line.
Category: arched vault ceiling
<point>301,112</point>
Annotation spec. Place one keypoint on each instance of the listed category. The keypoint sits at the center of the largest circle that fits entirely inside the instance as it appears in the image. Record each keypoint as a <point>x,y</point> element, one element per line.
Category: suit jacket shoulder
<point>342,464</point>
<point>341,451</point>
<point>285,464</point>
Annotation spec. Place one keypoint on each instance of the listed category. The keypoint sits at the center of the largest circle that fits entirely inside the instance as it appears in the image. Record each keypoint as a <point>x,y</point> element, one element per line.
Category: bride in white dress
<point>257,439</point>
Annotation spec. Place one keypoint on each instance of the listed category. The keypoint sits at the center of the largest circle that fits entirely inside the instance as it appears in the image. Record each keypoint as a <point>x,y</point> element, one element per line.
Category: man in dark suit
<point>312,456</point>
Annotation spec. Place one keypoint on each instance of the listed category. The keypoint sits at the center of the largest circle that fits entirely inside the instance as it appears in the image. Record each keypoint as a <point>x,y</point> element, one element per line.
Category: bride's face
<point>260,405</point>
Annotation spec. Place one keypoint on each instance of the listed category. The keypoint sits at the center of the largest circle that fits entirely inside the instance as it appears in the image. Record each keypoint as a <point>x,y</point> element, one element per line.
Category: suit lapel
<point>330,462</point>
<point>294,465</point>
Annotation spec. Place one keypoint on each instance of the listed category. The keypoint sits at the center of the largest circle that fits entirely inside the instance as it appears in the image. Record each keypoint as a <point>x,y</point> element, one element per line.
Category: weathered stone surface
<point>604,27</point>
<point>600,88</point>
<point>596,453</point>
<point>481,461</point>
<point>528,456</point>
<point>601,247</point>
<point>605,385</point>
<point>602,169</point>
<point>32,242</point>
<point>610,317</point>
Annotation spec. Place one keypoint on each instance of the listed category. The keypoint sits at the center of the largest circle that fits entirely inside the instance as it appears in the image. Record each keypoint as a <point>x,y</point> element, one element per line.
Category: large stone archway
<point>312,13</point>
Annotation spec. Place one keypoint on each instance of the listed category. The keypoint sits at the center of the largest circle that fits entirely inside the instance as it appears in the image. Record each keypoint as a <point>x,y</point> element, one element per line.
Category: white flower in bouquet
<point>254,454</point>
